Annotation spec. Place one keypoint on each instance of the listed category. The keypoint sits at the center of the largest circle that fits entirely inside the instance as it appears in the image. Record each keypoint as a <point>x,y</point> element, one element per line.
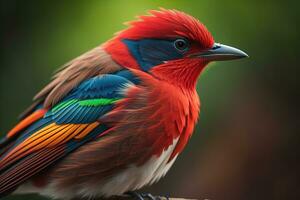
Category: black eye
<point>181,44</point>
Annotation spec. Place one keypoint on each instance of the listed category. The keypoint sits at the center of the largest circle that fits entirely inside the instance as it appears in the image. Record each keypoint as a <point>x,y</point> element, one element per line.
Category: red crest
<point>168,24</point>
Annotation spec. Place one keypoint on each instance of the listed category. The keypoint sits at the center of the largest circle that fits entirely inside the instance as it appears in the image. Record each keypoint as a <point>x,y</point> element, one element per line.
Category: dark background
<point>246,145</point>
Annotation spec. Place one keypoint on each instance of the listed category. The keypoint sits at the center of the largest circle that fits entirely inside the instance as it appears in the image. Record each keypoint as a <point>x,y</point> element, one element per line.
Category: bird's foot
<point>149,196</point>
<point>135,195</point>
<point>143,196</point>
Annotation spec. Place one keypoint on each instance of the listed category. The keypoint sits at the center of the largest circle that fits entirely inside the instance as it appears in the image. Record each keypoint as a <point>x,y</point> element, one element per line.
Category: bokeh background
<point>246,145</point>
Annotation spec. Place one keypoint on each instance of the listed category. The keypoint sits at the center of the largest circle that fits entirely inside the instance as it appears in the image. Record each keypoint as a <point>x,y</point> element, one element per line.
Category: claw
<point>141,196</point>
<point>149,196</point>
<point>135,195</point>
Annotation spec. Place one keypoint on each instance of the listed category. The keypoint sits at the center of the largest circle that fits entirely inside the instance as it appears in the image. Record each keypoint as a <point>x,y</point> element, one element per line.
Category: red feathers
<point>156,112</point>
<point>163,24</point>
<point>168,24</point>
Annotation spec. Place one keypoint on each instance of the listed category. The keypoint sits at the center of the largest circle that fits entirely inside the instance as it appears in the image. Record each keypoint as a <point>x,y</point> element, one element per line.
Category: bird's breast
<point>158,112</point>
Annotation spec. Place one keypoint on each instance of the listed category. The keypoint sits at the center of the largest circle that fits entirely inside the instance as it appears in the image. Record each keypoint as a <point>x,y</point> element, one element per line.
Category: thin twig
<point>125,197</point>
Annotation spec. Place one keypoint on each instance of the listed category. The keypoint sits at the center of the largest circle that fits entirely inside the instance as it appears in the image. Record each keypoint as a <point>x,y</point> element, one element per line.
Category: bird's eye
<point>181,44</point>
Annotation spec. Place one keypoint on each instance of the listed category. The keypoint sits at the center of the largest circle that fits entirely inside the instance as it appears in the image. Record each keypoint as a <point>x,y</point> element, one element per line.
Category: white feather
<point>133,178</point>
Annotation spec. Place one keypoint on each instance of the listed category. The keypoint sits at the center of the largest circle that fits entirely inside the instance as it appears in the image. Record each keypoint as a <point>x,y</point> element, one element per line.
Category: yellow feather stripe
<point>87,130</point>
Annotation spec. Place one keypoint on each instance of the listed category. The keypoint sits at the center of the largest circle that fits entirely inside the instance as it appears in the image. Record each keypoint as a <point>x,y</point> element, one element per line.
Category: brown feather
<point>27,167</point>
<point>92,63</point>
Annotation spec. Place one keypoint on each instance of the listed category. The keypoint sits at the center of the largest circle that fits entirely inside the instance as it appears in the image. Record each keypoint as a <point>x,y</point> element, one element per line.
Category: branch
<point>125,197</point>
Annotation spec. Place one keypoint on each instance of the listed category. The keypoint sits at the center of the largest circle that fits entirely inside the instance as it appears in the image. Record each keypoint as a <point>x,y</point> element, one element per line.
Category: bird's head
<point>170,45</point>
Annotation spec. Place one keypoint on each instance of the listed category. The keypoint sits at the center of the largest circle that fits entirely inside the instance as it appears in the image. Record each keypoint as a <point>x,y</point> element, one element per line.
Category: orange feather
<point>26,122</point>
<point>49,136</point>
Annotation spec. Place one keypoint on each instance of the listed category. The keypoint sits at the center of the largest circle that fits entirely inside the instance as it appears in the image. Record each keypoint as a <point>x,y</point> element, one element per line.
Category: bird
<point>114,119</point>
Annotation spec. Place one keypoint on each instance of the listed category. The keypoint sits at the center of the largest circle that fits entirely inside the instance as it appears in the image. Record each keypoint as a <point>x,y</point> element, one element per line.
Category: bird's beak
<point>221,52</point>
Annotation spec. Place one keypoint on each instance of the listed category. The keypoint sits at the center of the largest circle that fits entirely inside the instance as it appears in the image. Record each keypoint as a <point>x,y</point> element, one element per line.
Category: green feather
<point>98,102</point>
<point>88,102</point>
<point>63,105</point>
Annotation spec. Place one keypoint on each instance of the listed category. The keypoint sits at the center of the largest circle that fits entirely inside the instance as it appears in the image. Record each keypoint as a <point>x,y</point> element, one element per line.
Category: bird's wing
<point>60,130</point>
<point>90,64</point>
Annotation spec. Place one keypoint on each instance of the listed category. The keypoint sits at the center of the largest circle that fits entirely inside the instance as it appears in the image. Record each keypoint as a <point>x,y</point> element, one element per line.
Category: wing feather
<point>92,63</point>
<point>28,167</point>
<point>62,129</point>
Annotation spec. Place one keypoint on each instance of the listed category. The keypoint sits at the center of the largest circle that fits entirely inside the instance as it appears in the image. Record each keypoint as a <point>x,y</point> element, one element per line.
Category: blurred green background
<point>246,145</point>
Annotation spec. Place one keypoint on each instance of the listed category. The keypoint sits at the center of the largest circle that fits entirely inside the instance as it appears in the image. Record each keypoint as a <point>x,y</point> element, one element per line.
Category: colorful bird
<point>114,119</point>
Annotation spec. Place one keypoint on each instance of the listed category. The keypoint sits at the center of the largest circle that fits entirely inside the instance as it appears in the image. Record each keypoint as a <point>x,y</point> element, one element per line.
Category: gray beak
<point>221,52</point>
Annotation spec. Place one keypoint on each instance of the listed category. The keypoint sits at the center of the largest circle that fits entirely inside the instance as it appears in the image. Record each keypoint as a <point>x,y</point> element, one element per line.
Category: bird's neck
<point>120,53</point>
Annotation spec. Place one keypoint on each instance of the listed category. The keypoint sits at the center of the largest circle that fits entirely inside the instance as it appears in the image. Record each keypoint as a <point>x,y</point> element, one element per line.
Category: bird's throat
<point>181,73</point>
